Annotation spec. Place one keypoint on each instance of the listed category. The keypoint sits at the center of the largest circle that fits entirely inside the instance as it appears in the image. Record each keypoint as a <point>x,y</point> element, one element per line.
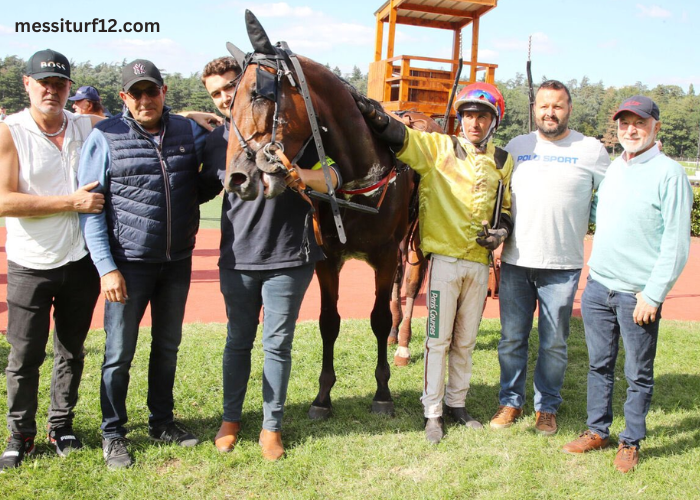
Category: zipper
<point>168,209</point>
<point>164,171</point>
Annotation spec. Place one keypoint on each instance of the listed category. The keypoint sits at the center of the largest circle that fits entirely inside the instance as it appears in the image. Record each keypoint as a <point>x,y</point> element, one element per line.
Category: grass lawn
<point>357,454</point>
<point>210,214</point>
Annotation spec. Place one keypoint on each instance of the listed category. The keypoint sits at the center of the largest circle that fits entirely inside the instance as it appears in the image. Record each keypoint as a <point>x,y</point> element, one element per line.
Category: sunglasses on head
<point>136,94</point>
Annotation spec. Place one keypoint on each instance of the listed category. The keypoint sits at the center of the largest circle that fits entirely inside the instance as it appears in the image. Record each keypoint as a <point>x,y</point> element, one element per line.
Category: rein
<point>319,142</point>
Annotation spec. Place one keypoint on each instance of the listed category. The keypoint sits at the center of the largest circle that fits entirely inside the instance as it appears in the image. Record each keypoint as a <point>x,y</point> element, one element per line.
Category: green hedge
<point>695,216</point>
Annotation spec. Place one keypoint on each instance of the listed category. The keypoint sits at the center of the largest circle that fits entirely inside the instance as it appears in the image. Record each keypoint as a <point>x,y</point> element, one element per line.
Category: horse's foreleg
<point>327,272</point>
<point>414,282</point>
<point>380,319</point>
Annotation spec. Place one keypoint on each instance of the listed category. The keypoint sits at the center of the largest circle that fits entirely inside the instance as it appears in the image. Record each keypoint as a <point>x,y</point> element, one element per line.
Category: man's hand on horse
<point>384,126</point>
<point>294,180</point>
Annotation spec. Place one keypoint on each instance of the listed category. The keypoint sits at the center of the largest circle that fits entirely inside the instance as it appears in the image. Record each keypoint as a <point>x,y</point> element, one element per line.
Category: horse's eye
<point>254,96</point>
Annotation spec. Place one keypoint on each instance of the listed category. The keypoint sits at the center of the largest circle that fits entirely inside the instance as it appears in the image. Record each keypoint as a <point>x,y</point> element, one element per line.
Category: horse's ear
<point>237,54</point>
<point>258,38</point>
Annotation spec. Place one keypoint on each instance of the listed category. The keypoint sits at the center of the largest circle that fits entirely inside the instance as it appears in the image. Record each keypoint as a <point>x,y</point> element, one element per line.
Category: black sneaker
<point>115,453</point>
<point>172,433</point>
<point>64,440</point>
<point>18,446</point>
<point>460,415</point>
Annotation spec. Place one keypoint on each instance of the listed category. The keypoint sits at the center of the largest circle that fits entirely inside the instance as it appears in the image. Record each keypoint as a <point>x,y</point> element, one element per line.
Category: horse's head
<point>267,114</point>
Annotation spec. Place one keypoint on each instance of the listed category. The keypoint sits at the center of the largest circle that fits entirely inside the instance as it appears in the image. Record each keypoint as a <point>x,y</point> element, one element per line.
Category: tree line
<point>594,104</point>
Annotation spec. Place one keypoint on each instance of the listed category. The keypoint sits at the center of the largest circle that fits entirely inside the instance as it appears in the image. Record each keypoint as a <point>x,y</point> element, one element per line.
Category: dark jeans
<point>72,291</point>
<point>281,292</point>
<point>607,315</point>
<point>165,285</point>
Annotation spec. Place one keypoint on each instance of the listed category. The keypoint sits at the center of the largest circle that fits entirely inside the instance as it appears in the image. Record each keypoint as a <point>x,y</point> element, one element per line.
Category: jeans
<point>521,289</point>
<point>281,292</point>
<point>165,285</point>
<point>72,291</point>
<point>607,315</point>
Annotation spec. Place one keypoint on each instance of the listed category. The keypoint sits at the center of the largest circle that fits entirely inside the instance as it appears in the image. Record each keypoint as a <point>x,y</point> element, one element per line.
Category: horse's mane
<point>348,86</point>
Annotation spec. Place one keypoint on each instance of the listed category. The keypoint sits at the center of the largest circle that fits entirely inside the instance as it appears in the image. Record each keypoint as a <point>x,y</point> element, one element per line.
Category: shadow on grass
<point>684,437</point>
<point>350,416</point>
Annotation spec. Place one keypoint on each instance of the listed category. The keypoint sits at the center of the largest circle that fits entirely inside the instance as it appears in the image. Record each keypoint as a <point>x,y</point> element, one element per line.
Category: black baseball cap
<point>640,105</point>
<point>46,63</point>
<point>140,70</point>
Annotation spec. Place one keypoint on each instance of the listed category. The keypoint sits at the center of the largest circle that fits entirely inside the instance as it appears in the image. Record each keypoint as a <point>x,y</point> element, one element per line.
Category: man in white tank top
<point>48,264</point>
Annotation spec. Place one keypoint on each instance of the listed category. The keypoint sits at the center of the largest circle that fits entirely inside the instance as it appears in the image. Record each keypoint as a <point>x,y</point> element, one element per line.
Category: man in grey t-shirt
<point>556,171</point>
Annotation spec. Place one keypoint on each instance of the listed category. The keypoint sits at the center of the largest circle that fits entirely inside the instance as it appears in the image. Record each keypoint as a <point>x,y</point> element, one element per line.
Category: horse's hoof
<point>392,340</point>
<point>401,361</point>
<point>383,407</point>
<point>319,413</point>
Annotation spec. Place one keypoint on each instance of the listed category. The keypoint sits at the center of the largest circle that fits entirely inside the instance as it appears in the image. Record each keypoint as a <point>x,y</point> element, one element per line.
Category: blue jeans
<point>607,315</point>
<point>521,289</point>
<point>165,285</point>
<point>281,292</point>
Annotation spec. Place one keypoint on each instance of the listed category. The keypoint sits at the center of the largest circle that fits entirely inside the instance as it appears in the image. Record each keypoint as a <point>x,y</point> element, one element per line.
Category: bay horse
<point>269,113</point>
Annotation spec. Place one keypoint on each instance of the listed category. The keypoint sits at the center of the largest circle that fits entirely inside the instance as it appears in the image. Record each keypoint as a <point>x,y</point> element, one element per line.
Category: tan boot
<point>271,443</point>
<point>227,436</point>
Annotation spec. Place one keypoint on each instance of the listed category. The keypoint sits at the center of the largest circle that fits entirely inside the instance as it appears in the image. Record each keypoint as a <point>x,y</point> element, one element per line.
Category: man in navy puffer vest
<point>147,163</point>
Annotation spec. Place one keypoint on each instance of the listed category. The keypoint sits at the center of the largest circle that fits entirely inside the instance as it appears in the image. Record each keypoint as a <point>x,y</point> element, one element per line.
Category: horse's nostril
<point>238,179</point>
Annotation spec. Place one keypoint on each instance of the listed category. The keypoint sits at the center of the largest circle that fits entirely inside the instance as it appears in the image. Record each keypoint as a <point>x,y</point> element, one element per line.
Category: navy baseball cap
<point>640,105</point>
<point>140,70</point>
<point>86,92</point>
<point>46,63</point>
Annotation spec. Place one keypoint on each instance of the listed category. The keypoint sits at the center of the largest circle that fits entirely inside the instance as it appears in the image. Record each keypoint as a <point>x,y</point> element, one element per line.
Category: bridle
<point>267,86</point>
<point>268,91</point>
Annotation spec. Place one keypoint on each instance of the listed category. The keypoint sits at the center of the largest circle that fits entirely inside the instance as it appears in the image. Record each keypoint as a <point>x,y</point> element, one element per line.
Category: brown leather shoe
<point>627,458</point>
<point>271,443</point>
<point>546,423</point>
<point>588,441</point>
<point>505,417</point>
<point>227,436</point>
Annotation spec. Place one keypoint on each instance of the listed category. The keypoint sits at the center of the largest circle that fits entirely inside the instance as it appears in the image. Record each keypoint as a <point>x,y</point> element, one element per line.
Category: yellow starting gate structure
<point>406,82</point>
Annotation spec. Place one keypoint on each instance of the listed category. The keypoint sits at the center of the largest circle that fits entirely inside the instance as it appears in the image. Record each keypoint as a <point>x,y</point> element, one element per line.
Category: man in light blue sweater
<point>642,240</point>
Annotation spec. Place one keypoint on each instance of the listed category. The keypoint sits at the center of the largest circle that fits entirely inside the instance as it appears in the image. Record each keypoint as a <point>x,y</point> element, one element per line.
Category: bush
<point>695,214</point>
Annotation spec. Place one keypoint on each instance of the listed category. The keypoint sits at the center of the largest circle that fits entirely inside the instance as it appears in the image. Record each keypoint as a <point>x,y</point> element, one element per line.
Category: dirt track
<point>206,305</point>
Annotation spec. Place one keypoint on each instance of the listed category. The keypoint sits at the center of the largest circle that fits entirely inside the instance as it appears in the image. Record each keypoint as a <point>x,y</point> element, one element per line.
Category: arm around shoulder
<point>14,203</point>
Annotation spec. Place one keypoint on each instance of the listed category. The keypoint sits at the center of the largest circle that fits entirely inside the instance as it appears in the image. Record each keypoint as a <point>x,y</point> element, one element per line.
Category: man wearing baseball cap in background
<point>642,240</point>
<point>147,164</point>
<point>49,271</point>
<point>87,101</point>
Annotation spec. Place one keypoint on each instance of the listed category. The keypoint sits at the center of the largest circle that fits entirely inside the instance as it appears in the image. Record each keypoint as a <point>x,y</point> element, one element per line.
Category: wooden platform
<point>416,83</point>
